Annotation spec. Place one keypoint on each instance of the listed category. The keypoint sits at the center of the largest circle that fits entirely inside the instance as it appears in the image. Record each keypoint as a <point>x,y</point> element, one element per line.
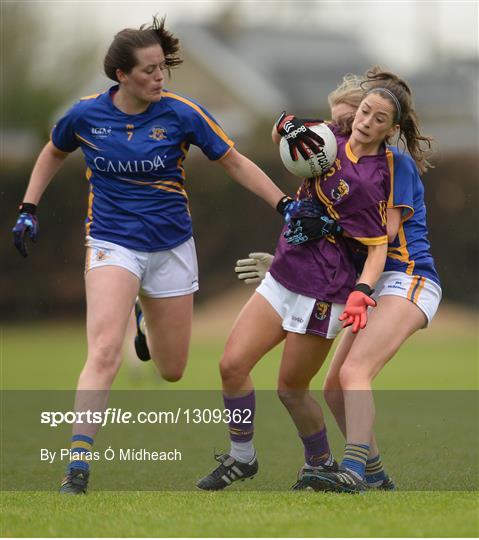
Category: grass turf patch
<point>230,514</point>
<point>51,356</point>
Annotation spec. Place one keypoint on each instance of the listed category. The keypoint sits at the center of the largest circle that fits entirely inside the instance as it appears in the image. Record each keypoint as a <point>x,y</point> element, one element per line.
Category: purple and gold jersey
<point>135,166</point>
<point>355,193</point>
<point>409,252</point>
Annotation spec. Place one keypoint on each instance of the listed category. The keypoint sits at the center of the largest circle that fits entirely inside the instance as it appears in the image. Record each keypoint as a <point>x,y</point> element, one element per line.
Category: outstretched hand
<point>252,271</point>
<point>355,312</point>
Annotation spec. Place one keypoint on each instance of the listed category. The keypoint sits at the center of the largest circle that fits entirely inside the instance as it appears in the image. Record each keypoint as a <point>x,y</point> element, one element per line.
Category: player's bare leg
<point>357,361</point>
<point>333,393</point>
<point>303,356</point>
<point>256,331</point>
<point>168,322</point>
<point>106,326</point>
<point>389,325</point>
<point>135,369</point>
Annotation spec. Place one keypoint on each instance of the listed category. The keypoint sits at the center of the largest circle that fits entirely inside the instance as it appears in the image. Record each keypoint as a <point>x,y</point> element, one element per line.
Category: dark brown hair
<point>386,83</point>
<point>121,53</point>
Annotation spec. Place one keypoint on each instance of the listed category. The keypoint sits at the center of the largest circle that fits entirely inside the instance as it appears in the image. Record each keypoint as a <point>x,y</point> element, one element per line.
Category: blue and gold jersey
<point>135,166</point>
<point>409,252</point>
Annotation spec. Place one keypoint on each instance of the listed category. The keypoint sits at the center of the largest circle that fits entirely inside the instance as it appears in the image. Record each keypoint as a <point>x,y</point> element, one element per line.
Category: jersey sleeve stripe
<point>213,125</point>
<point>92,96</point>
<point>408,215</point>
<point>376,241</point>
<point>225,154</point>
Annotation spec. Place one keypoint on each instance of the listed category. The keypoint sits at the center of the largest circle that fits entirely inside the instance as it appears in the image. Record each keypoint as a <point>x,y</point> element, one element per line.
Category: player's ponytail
<point>398,92</point>
<point>121,53</point>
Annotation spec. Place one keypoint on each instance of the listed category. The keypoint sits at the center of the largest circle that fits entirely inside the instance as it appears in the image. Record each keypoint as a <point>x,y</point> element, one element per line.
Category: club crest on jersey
<point>321,310</point>
<point>340,191</point>
<point>101,132</point>
<point>157,133</point>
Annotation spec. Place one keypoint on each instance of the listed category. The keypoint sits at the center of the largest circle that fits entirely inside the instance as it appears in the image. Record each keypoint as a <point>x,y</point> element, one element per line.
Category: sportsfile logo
<point>101,132</point>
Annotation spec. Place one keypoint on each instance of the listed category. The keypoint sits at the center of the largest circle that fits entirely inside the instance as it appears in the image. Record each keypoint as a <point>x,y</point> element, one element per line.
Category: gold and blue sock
<point>375,474</point>
<point>80,452</point>
<point>355,457</point>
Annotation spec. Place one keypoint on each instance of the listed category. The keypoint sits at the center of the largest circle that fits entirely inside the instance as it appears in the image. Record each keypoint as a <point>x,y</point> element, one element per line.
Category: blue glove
<point>291,209</point>
<point>27,224</point>
<point>308,228</point>
<point>302,209</point>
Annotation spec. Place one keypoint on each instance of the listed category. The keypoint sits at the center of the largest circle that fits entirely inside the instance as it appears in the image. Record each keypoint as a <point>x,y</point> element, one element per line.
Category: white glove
<point>254,269</point>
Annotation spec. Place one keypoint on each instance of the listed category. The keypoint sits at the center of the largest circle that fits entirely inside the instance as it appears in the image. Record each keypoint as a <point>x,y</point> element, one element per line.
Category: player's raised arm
<point>48,163</point>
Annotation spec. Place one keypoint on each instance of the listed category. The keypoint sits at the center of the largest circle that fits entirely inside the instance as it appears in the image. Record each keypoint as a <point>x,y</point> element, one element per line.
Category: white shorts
<point>301,314</point>
<point>423,292</point>
<point>162,274</point>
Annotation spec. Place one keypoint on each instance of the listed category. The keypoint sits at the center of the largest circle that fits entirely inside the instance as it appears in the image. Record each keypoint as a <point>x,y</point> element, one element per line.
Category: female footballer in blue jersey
<point>407,294</point>
<point>135,138</point>
<point>308,286</point>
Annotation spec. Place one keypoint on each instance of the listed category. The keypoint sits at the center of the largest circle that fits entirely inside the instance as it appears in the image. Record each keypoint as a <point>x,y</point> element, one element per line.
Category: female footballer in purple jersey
<point>408,294</point>
<point>135,138</point>
<point>302,296</point>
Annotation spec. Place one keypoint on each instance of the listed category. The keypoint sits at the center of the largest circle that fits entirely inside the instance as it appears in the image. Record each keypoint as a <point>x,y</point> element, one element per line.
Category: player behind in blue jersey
<point>309,286</point>
<point>407,294</point>
<point>135,138</point>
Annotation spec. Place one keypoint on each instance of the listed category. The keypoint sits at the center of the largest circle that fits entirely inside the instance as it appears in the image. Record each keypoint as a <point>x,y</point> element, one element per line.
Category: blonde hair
<point>349,91</point>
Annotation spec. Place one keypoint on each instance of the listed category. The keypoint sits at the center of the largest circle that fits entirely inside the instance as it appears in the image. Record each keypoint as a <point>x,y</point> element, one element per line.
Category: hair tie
<point>393,97</point>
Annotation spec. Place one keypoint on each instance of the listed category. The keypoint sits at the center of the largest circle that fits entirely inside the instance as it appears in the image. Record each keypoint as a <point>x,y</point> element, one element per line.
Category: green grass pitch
<point>50,356</point>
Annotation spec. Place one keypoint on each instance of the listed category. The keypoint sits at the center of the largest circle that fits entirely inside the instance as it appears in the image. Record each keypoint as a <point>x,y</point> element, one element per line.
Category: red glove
<point>356,309</point>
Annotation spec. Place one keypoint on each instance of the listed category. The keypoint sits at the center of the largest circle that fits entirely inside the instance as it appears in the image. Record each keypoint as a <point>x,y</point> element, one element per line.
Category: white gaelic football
<point>318,163</point>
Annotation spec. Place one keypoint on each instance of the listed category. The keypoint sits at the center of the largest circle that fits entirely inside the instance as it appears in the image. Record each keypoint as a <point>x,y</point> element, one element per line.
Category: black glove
<point>27,224</point>
<point>283,206</point>
<point>298,136</point>
<point>311,228</point>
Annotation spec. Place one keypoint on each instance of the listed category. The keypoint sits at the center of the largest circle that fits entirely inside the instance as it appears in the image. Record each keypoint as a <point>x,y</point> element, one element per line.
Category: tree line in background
<point>228,221</point>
